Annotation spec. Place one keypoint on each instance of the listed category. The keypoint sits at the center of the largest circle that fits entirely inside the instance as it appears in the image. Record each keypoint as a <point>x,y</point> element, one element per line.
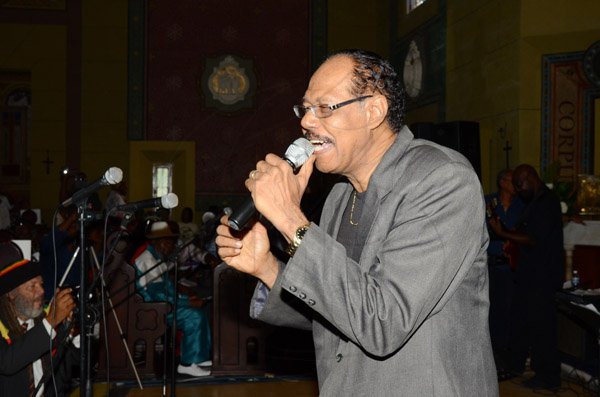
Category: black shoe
<point>539,383</point>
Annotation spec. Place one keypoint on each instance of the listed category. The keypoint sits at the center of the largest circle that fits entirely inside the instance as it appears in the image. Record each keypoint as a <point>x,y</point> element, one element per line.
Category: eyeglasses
<point>323,111</point>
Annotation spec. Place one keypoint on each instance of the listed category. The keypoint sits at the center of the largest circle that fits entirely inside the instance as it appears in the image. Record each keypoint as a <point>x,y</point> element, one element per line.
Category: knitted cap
<point>162,229</point>
<point>14,270</point>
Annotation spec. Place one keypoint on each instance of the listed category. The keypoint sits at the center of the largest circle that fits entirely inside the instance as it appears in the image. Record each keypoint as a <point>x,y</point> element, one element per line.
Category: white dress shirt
<point>38,371</point>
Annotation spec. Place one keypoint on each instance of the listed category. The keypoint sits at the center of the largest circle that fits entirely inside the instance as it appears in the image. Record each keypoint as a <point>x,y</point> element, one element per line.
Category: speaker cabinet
<point>577,334</point>
<point>423,130</point>
<point>462,136</point>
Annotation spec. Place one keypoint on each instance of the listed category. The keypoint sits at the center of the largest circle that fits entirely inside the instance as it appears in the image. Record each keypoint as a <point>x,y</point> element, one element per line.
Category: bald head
<point>527,182</point>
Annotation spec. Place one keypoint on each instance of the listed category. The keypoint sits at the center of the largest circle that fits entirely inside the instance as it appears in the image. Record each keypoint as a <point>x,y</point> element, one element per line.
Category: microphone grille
<point>113,176</point>
<point>169,200</point>
<point>299,151</point>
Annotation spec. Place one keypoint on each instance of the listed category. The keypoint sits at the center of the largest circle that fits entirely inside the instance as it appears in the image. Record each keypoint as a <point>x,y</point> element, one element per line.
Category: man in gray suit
<point>393,280</point>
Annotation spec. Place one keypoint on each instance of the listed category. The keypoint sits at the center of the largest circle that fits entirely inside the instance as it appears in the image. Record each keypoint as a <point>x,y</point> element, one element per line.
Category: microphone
<point>111,177</point>
<point>296,155</point>
<point>168,201</point>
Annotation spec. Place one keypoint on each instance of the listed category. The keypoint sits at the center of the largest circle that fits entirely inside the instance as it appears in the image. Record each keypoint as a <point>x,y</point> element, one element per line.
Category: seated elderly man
<point>152,263</point>
<point>25,327</point>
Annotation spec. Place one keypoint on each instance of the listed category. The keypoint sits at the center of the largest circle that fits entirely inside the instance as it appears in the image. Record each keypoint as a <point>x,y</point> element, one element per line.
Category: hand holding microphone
<point>278,193</point>
<point>296,155</point>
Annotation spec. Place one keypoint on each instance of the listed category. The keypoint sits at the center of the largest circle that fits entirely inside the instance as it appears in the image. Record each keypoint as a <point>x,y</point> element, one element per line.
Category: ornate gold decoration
<point>228,82</point>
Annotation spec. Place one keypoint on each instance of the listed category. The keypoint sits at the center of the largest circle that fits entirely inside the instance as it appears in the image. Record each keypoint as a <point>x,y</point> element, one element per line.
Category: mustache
<point>312,136</point>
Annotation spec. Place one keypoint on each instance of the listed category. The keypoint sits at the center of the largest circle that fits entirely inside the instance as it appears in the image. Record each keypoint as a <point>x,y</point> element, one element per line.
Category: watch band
<point>298,236</point>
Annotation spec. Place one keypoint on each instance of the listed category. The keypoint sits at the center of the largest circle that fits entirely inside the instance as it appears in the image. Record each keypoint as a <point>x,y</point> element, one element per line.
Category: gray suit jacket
<point>411,317</point>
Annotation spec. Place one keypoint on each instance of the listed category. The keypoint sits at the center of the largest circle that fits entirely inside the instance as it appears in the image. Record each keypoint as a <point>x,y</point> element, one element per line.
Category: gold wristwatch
<point>298,236</point>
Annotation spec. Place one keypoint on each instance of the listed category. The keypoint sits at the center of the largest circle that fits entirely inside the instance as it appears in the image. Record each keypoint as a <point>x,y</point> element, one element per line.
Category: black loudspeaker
<point>462,136</point>
<point>576,338</point>
<point>422,130</point>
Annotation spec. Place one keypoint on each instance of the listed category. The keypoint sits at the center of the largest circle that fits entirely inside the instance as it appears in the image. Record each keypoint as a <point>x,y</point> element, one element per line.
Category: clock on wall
<point>413,71</point>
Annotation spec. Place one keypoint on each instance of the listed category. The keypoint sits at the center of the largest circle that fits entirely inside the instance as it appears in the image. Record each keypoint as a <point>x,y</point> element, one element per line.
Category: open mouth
<point>320,144</point>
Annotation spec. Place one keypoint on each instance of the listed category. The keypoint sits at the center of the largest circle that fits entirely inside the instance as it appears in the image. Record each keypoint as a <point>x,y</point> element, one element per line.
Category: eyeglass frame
<point>312,108</point>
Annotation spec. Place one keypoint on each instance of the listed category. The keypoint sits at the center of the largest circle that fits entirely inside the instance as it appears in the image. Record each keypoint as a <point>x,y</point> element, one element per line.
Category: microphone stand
<point>60,342</point>
<point>174,327</point>
<point>173,256</point>
<point>85,385</point>
<point>112,308</point>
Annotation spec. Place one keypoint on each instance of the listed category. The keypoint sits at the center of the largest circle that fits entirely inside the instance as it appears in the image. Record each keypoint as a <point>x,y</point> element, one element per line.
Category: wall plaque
<point>228,83</point>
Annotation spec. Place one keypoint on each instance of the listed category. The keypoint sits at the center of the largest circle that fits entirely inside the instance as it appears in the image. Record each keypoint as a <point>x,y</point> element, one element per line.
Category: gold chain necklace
<point>352,209</point>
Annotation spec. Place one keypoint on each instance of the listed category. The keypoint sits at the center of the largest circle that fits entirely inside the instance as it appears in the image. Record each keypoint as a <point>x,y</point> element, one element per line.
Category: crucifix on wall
<point>507,148</point>
<point>48,162</point>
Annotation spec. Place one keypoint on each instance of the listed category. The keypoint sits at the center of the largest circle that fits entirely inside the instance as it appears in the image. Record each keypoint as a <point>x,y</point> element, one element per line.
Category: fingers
<point>228,245</point>
<point>65,302</point>
<point>307,169</point>
<point>61,306</point>
<point>272,162</point>
<point>224,221</point>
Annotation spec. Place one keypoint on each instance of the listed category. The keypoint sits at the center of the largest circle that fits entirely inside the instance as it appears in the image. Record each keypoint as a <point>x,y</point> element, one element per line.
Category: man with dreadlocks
<point>25,327</point>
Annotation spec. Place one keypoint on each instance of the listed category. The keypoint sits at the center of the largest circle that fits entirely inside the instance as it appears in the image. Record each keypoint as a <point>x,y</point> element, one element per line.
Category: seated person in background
<point>27,228</point>
<point>25,327</point>
<point>187,228</point>
<point>156,285</point>
<point>195,263</point>
<point>116,197</point>
<point>5,208</point>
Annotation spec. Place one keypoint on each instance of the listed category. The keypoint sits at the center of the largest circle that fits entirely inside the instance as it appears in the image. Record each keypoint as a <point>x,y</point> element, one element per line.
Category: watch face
<point>591,64</point>
<point>413,71</point>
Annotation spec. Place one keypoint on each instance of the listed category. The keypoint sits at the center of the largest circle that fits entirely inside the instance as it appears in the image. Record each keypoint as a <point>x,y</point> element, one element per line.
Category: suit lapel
<point>380,185</point>
<point>339,194</point>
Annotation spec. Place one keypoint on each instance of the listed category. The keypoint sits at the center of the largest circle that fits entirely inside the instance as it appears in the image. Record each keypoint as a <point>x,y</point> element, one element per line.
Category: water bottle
<point>575,279</point>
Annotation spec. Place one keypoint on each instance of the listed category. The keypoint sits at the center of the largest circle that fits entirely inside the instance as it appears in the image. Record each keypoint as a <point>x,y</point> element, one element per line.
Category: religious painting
<point>567,116</point>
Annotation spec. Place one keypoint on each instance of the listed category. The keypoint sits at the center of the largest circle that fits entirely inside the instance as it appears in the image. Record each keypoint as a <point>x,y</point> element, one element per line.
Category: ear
<point>377,108</point>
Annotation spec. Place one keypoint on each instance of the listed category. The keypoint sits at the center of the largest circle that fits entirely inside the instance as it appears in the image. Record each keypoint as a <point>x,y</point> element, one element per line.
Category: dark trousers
<point>501,296</point>
<point>534,330</point>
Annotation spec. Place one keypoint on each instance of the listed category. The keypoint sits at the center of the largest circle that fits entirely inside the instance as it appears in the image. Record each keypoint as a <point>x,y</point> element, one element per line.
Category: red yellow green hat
<point>14,269</point>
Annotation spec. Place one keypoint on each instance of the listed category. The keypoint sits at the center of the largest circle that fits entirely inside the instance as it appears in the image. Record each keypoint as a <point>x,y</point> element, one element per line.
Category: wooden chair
<point>239,342</point>
<point>143,325</point>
